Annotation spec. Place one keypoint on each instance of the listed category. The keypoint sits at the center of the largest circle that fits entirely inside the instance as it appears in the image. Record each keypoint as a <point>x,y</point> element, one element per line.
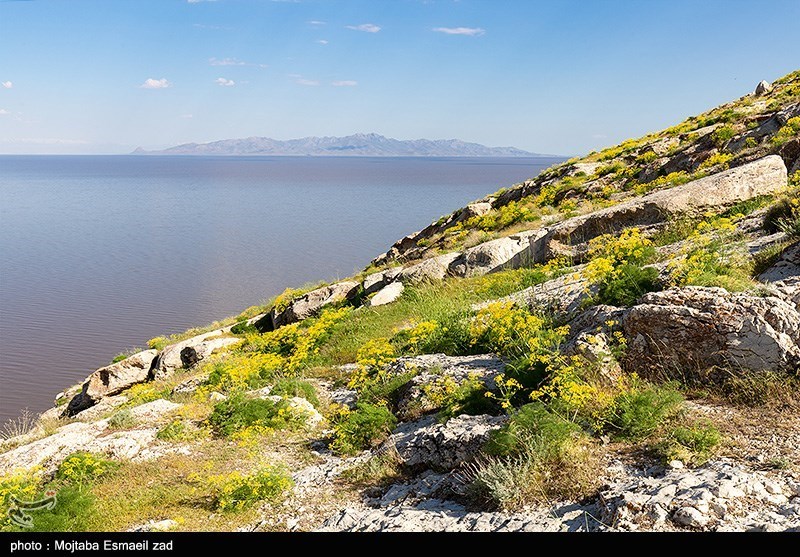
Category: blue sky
<point>558,76</point>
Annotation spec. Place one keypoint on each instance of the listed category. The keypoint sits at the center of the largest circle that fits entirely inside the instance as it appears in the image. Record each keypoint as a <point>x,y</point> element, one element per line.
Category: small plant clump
<point>362,428</point>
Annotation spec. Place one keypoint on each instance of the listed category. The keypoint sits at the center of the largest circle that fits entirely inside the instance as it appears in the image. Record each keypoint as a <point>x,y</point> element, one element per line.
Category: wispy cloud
<point>4,112</point>
<point>151,83</point>
<point>221,81</point>
<point>187,116</point>
<point>7,85</point>
<point>317,22</point>
<point>344,83</point>
<point>321,41</point>
<point>226,62</point>
<point>306,82</point>
<point>366,27</point>
<point>468,31</point>
<point>232,62</point>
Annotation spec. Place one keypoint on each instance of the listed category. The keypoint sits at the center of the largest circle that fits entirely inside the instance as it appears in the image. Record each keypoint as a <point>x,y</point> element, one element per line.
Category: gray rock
<point>690,517</point>
<point>510,252</point>
<point>387,294</point>
<point>695,328</point>
<point>429,270</point>
<point>376,281</point>
<point>115,378</point>
<point>345,397</point>
<point>310,303</point>
<point>427,443</point>
<point>787,266</point>
<point>189,352</point>
<point>763,88</point>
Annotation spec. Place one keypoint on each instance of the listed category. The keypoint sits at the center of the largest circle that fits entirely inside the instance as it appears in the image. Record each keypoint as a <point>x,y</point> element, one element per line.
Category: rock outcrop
<point>695,328</point>
<point>189,352</point>
<point>428,444</point>
<point>310,304</point>
<point>387,294</point>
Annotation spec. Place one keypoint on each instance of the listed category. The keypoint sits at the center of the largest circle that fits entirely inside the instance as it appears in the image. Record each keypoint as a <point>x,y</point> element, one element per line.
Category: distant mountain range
<point>360,144</point>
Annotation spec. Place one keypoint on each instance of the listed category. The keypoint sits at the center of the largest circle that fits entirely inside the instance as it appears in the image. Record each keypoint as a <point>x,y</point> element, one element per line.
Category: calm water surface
<point>99,254</point>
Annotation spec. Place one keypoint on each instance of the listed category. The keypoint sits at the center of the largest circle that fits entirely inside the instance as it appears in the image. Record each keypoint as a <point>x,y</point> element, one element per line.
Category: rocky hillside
<point>612,345</point>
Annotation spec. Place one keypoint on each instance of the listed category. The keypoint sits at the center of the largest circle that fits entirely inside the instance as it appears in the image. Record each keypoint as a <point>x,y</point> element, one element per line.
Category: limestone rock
<point>788,265</point>
<point>694,328</point>
<point>494,255</point>
<point>189,352</point>
<point>310,303</point>
<point>760,177</point>
<point>413,400</point>
<point>763,88</point>
<point>387,294</point>
<point>427,443</point>
<point>376,281</point>
<point>591,337</point>
<point>429,270</point>
<point>115,378</point>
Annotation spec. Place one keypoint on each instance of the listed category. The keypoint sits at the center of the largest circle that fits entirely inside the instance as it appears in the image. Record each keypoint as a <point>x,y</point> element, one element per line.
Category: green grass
<point>291,387</point>
<point>447,302</point>
<point>239,412</point>
<point>640,412</point>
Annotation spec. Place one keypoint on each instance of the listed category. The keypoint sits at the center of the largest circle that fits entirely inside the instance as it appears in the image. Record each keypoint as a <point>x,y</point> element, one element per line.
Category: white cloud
<point>366,27</point>
<point>226,62</point>
<point>344,83</point>
<point>151,83</point>
<point>4,112</point>
<point>321,41</point>
<point>306,82</point>
<point>187,116</point>
<point>221,81</point>
<point>7,85</point>
<point>317,22</point>
<point>468,31</point>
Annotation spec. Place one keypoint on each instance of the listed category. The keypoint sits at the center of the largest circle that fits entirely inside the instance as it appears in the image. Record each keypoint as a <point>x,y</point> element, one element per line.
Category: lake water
<point>100,253</point>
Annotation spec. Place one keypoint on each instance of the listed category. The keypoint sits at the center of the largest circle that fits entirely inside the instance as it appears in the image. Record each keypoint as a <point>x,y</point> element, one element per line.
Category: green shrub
<point>639,412</point>
<point>362,428</point>
<point>290,387</point>
<point>384,388</point>
<point>629,284</point>
<point>122,419</point>
<point>723,134</point>
<point>81,468</point>
<point>692,444</point>
<point>532,421</point>
<point>239,412</point>
<point>236,491</point>
<point>243,327</point>
<point>537,456</point>
<point>178,430</point>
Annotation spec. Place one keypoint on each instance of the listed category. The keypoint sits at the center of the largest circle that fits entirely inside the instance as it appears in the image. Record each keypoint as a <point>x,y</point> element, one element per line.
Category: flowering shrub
<point>512,332</point>
<point>788,132</point>
<point>499,218</point>
<point>236,371</point>
<point>721,160</point>
<point>409,340</point>
<point>237,491</point>
<point>80,468</point>
<point>710,257</point>
<point>616,266</point>
<point>22,484</point>
<point>372,358</point>
<point>239,412</point>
